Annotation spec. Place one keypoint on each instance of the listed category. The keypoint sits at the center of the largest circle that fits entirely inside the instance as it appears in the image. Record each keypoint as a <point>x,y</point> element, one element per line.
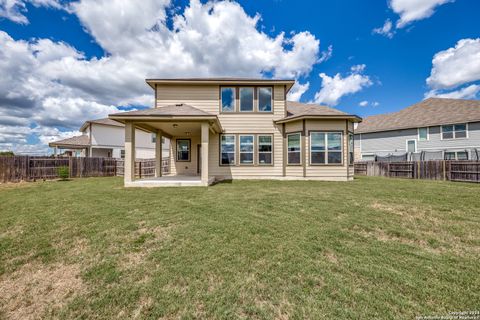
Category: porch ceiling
<point>175,128</point>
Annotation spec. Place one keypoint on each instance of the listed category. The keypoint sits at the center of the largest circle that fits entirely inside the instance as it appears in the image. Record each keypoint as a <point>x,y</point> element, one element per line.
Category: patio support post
<point>158,154</point>
<point>129,169</point>
<point>205,133</point>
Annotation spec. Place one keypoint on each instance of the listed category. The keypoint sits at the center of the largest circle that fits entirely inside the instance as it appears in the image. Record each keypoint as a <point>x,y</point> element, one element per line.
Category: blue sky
<point>78,60</point>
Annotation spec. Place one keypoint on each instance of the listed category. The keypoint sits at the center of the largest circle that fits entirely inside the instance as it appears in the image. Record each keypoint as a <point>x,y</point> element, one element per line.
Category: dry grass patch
<point>35,289</point>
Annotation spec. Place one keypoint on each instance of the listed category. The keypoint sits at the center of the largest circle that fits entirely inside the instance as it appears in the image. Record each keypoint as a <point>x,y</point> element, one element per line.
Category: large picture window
<point>265,150</point>
<point>246,149</point>
<point>294,150</point>
<point>228,99</point>
<point>454,131</point>
<point>227,150</point>
<point>265,99</point>
<point>246,99</point>
<point>183,149</point>
<point>326,147</point>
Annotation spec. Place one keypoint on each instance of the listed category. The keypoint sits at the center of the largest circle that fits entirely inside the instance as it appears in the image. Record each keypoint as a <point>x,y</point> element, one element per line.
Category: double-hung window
<point>227,149</point>
<point>183,149</point>
<point>246,149</point>
<point>293,148</point>
<point>227,96</point>
<point>326,147</point>
<point>454,131</point>
<point>264,99</point>
<point>422,134</point>
<point>265,149</point>
<point>246,99</point>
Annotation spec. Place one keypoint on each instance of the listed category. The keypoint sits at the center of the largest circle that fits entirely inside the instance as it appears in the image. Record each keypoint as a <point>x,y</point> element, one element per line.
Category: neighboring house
<point>105,138</point>
<point>240,129</point>
<point>432,129</point>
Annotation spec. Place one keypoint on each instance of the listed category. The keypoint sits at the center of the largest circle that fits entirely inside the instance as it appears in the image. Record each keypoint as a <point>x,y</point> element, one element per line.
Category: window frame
<point>240,149</point>
<point>189,149</point>
<point>234,99</point>
<point>406,145</point>
<point>351,160</point>
<point>326,132</point>
<point>258,99</point>
<point>234,151</point>
<point>300,163</point>
<point>240,99</point>
<point>454,131</point>
<point>428,134</point>
<point>258,150</point>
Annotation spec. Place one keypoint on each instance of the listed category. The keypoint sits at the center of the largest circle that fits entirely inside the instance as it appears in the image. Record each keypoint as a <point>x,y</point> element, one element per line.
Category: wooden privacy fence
<point>467,171</point>
<point>144,168</point>
<point>26,168</point>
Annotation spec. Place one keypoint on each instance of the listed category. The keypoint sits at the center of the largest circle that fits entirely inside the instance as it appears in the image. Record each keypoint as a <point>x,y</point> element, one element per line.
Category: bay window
<point>293,148</point>
<point>246,99</point>
<point>326,148</point>
<point>265,149</point>
<point>265,99</point>
<point>246,149</point>
<point>351,149</point>
<point>227,150</point>
<point>227,96</point>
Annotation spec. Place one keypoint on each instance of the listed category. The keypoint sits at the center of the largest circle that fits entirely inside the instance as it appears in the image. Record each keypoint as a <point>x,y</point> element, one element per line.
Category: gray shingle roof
<point>298,110</point>
<point>429,112</point>
<point>177,110</point>
<point>82,140</point>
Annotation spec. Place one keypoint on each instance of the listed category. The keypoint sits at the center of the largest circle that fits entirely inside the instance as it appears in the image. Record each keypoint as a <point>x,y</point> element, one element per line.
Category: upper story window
<point>422,134</point>
<point>246,99</point>
<point>454,131</point>
<point>228,99</point>
<point>265,99</point>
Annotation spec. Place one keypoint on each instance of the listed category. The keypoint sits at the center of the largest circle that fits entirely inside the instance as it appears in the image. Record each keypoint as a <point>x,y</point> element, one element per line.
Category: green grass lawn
<point>372,248</point>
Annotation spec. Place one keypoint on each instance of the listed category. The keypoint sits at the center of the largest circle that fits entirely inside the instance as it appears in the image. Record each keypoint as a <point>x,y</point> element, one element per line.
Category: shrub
<point>6,154</point>
<point>63,173</point>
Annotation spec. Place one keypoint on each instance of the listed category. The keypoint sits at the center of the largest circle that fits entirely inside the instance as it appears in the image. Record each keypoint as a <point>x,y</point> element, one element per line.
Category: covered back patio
<point>188,129</point>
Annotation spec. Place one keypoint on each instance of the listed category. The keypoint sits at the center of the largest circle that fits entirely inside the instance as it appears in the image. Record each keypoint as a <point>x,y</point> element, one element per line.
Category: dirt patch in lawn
<point>36,289</point>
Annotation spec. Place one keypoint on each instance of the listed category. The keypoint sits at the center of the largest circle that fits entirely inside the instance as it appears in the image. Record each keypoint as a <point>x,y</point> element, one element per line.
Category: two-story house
<point>239,129</point>
<point>104,138</point>
<point>435,128</point>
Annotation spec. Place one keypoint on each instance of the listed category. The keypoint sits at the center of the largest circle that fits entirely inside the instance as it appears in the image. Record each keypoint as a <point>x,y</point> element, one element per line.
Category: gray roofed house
<point>103,138</point>
<point>437,128</point>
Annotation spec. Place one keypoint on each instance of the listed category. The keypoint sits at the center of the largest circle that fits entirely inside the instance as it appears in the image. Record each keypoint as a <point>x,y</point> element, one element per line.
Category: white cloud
<point>297,91</point>
<point>469,92</point>
<point>456,66</point>
<point>334,88</point>
<point>385,30</point>
<point>363,103</point>
<point>375,103</point>
<point>14,10</point>
<point>326,55</point>
<point>413,10</point>
<point>52,84</point>
<point>366,103</point>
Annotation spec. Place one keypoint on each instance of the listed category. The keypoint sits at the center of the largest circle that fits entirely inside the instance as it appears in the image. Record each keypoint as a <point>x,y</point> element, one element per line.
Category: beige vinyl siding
<point>251,123</point>
<point>327,171</point>
<point>204,97</point>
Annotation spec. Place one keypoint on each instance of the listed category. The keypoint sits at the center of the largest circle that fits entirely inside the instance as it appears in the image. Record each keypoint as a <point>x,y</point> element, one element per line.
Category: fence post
<point>444,167</point>
<point>140,170</point>
<point>69,167</point>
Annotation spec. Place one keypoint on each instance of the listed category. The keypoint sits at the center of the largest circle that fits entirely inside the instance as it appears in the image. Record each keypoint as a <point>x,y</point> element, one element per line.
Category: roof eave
<point>287,82</point>
<point>353,118</point>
